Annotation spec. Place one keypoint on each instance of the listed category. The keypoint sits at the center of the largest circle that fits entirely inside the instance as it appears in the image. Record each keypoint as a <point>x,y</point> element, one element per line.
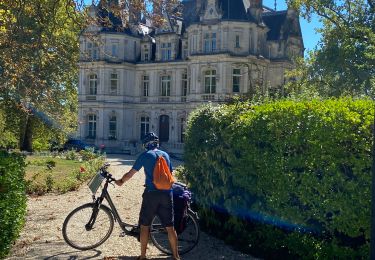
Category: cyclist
<point>154,201</point>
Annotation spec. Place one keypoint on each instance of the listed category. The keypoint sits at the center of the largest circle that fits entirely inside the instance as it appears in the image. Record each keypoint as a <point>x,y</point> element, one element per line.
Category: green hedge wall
<point>12,199</point>
<point>301,165</point>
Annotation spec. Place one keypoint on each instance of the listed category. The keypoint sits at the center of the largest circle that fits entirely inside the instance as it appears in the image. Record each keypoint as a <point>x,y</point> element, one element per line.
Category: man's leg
<point>172,236</point>
<point>145,230</point>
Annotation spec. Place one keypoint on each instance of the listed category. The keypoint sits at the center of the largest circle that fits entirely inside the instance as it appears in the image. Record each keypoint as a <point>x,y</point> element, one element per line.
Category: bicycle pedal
<point>122,234</point>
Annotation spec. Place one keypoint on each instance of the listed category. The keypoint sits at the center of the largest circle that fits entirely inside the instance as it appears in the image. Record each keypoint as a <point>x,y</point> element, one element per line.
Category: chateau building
<point>139,78</point>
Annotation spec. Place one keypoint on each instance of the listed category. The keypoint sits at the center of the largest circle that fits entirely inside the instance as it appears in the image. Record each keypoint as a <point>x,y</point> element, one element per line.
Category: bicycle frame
<point>98,201</point>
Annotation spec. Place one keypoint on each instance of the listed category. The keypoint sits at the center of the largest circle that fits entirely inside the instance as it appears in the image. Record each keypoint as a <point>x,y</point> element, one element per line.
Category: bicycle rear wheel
<point>88,226</point>
<point>187,240</point>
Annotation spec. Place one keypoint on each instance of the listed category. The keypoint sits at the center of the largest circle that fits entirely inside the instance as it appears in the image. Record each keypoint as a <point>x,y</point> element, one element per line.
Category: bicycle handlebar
<point>105,173</point>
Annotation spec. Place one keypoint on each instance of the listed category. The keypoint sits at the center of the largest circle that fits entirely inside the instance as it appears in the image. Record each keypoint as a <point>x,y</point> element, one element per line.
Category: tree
<point>38,60</point>
<point>344,62</point>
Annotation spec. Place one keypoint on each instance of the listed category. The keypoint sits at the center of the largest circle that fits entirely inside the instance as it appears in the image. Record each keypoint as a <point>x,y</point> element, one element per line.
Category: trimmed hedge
<point>302,166</point>
<point>12,199</point>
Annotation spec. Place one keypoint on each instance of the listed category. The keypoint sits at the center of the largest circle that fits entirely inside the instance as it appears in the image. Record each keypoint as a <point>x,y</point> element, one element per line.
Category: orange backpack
<point>162,176</point>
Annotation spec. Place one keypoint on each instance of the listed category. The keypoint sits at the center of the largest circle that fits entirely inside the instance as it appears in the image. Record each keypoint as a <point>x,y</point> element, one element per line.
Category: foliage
<point>39,79</point>
<point>180,173</point>
<point>88,154</point>
<point>305,166</point>
<point>344,61</point>
<point>45,174</point>
<point>12,199</point>
<point>7,138</point>
<point>71,155</point>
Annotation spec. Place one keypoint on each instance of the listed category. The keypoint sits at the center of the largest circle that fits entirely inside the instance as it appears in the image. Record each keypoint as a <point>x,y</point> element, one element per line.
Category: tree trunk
<point>26,134</point>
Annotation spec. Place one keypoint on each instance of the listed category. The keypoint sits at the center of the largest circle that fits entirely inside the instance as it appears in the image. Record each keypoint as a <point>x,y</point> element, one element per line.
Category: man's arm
<point>126,177</point>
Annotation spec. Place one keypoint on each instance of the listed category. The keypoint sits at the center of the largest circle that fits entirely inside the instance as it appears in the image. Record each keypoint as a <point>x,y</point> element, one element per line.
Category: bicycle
<point>96,223</point>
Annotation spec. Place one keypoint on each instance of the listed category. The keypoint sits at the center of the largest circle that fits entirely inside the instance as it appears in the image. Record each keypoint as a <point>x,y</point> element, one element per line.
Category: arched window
<point>145,126</point>
<point>91,120</point>
<point>210,82</point>
<point>93,84</point>
<point>112,127</point>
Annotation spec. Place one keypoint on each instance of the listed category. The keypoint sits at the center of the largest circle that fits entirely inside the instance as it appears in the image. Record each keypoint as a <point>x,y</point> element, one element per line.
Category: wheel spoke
<point>78,236</point>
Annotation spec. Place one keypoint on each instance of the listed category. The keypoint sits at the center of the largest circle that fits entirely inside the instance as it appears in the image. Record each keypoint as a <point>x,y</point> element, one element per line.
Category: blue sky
<point>310,36</point>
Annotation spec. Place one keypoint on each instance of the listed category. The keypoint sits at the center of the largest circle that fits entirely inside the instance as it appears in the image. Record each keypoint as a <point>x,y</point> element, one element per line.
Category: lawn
<point>53,174</point>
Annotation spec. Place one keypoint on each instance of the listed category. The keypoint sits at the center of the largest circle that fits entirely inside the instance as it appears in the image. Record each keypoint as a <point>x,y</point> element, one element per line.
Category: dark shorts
<point>157,203</point>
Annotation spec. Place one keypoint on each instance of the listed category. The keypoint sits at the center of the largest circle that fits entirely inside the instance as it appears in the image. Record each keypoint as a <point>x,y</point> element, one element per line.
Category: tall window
<point>91,126</point>
<point>145,85</point>
<point>182,129</point>
<point>210,82</point>
<point>114,81</point>
<point>206,42</point>
<point>213,42</point>
<point>93,84</point>
<point>165,86</point>
<point>185,50</point>
<point>237,42</point>
<point>184,85</point>
<point>112,128</point>
<point>209,42</point>
<point>145,126</point>
<point>166,51</point>
<point>236,79</point>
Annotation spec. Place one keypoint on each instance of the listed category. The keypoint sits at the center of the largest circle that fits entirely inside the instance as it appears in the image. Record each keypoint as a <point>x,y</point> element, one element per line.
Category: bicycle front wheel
<point>187,240</point>
<point>88,226</point>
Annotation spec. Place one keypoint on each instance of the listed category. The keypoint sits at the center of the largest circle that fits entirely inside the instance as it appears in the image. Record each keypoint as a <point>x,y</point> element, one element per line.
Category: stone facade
<point>140,78</point>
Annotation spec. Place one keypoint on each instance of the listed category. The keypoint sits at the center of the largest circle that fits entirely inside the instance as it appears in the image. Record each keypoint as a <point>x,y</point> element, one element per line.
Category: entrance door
<point>164,128</point>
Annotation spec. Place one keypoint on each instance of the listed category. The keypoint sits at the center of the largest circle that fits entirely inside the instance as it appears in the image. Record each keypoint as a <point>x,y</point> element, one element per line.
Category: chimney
<point>256,9</point>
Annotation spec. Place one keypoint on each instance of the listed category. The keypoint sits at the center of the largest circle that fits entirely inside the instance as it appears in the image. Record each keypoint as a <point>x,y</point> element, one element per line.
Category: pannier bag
<point>181,199</point>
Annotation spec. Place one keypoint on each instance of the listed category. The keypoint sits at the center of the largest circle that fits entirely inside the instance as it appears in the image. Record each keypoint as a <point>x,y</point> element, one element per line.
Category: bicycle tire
<point>187,240</point>
<point>73,224</point>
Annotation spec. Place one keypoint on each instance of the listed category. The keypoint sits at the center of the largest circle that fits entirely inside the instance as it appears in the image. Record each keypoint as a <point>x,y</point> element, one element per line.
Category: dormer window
<point>166,51</point>
<point>146,56</point>
<point>92,50</point>
<point>209,42</point>
<point>237,42</point>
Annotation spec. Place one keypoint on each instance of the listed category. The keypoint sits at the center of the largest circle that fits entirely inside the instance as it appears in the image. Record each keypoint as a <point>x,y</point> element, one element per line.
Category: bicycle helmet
<point>150,141</point>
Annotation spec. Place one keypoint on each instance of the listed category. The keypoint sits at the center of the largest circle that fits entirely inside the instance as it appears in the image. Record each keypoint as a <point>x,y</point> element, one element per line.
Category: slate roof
<point>274,21</point>
<point>233,10</point>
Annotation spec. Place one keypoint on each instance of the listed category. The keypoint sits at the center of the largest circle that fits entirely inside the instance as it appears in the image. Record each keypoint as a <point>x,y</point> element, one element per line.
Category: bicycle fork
<point>95,211</point>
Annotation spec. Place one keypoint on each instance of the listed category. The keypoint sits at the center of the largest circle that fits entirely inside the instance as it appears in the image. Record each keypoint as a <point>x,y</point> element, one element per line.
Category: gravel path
<point>41,237</point>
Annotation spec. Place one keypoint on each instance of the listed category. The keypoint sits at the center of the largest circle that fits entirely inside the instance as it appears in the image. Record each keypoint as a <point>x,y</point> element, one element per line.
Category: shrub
<point>12,199</point>
<point>71,155</point>
<point>88,154</point>
<point>304,166</point>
